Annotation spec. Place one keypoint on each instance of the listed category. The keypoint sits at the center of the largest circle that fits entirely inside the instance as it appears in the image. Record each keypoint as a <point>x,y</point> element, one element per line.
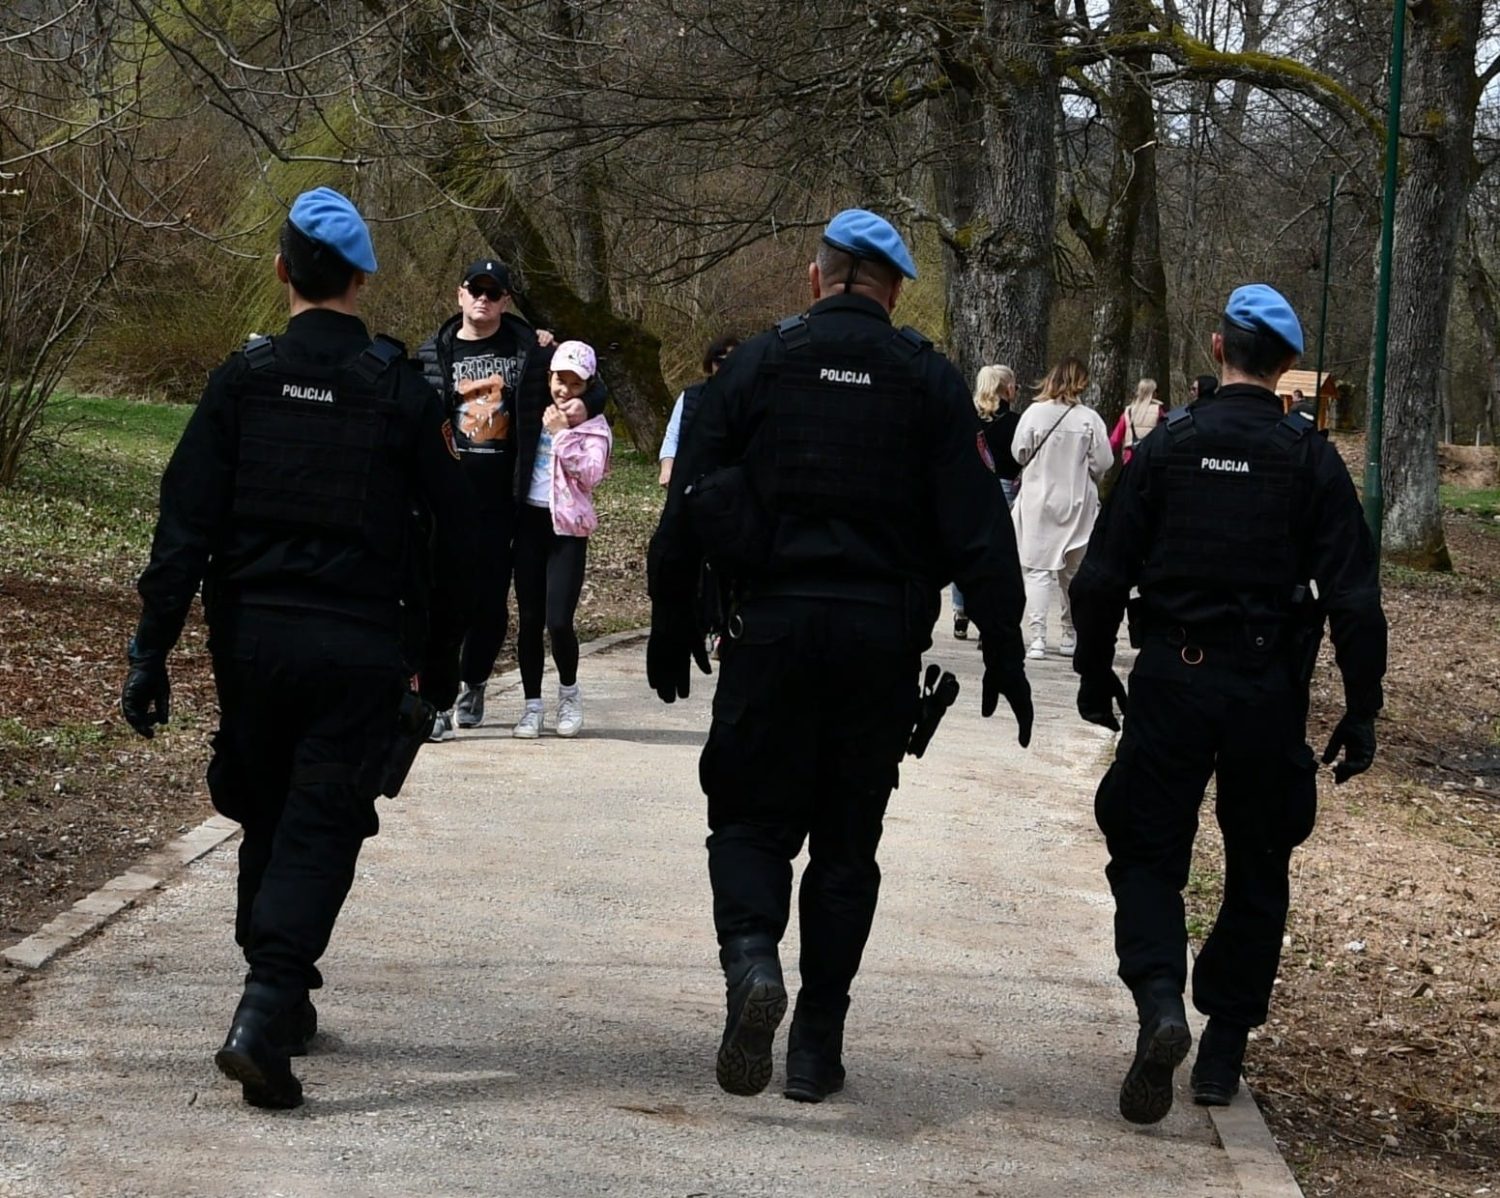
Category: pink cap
<point>577,357</point>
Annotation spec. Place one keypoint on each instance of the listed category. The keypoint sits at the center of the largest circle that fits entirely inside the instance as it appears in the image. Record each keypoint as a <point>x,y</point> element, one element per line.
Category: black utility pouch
<point>729,522</point>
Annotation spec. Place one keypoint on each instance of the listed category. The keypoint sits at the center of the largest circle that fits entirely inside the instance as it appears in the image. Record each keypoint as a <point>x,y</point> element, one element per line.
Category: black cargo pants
<point>814,707</point>
<point>1187,724</point>
<point>307,707</point>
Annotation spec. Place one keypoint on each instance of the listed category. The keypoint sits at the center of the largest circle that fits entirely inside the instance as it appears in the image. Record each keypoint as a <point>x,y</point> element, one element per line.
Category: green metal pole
<point>1374,488</point>
<point>1333,184</point>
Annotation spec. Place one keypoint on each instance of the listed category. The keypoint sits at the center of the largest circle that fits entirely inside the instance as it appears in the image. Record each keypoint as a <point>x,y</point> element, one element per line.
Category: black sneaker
<point>960,627</point>
<point>470,709</point>
<point>442,728</point>
<point>252,1055</point>
<point>814,1052</point>
<point>756,1002</point>
<point>1221,1056</point>
<point>1161,1046</point>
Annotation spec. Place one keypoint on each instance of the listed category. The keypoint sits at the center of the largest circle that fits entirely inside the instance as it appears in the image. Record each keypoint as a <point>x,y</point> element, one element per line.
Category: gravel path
<point>523,996</point>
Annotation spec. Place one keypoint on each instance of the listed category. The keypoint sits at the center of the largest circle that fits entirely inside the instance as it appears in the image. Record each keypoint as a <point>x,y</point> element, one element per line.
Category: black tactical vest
<point>843,435</point>
<point>1228,508</point>
<point>320,446</point>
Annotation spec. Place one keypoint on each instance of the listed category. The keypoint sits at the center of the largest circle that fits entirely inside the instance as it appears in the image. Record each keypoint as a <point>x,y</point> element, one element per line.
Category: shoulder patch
<point>448,439</point>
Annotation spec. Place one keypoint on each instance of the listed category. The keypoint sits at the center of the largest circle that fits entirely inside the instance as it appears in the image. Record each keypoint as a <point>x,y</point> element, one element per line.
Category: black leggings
<point>549,580</point>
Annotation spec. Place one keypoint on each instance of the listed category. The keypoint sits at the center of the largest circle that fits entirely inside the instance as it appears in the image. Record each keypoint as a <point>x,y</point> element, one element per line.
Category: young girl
<point>1142,415</point>
<point>552,534</point>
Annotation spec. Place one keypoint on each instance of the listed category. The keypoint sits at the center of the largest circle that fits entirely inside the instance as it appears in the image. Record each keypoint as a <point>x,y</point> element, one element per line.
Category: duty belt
<point>1226,644</point>
<point>883,593</point>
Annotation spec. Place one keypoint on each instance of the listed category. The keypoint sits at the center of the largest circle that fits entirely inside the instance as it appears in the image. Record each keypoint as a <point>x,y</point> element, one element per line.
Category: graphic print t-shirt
<point>485,376</point>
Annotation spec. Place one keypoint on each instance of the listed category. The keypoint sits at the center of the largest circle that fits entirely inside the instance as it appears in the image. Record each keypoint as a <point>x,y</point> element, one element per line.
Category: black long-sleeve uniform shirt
<point>1333,547</point>
<point>964,532</point>
<point>198,537</point>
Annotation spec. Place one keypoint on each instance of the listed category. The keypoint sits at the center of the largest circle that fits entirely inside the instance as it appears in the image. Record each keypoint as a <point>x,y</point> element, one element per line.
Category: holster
<point>413,726</point>
<point>939,692</point>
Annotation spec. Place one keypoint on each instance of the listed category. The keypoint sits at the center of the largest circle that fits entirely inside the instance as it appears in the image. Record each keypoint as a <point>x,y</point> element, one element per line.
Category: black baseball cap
<point>487,268</point>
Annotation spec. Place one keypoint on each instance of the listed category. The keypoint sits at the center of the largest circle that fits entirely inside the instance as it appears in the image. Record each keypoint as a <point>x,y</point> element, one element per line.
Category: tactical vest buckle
<point>1180,425</point>
<point>377,358</point>
<point>794,332</point>
<point>260,352</point>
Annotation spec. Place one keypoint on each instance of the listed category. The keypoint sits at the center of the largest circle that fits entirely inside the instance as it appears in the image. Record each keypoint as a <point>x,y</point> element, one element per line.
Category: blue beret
<point>866,235</point>
<point>1263,309</point>
<point>325,216</point>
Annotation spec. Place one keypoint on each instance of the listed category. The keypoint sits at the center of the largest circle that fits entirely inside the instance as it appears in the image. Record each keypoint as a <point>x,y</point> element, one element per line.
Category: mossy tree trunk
<point>1442,93</point>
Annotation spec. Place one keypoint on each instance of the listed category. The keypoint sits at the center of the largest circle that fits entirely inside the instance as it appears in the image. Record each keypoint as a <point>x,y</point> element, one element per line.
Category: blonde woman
<point>994,391</point>
<point>1140,416</point>
<point>1063,450</point>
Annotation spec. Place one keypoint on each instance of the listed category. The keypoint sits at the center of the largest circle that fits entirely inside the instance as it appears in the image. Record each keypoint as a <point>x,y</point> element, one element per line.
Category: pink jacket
<point>580,461</point>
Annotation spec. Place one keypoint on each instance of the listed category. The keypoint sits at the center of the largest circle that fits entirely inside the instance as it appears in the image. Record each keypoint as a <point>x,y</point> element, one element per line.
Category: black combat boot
<point>1161,1046</point>
<point>1221,1055</point>
<point>756,1000</point>
<point>814,1053</point>
<point>294,1028</point>
<point>253,1055</point>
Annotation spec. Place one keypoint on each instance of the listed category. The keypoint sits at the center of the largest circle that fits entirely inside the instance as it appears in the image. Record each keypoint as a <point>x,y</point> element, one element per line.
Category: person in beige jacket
<point>1063,448</point>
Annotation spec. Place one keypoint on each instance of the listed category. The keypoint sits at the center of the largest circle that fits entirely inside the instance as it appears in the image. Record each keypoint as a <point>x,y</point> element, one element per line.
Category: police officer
<point>1242,532</point>
<point>291,498</point>
<point>833,467</point>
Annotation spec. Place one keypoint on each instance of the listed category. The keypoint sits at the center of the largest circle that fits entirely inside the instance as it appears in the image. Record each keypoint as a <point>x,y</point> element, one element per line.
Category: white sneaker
<point>1038,649</point>
<point>1068,643</point>
<point>530,725</point>
<point>442,728</point>
<point>569,710</point>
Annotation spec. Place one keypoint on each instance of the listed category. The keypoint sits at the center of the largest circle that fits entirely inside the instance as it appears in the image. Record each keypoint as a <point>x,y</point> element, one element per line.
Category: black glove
<point>146,697</point>
<point>1005,675</point>
<point>1097,696</point>
<point>673,644</point>
<point>1356,737</point>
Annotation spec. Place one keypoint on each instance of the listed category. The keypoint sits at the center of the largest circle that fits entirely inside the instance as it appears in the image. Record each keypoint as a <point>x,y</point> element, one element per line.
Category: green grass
<point>86,497</point>
<point>1483,502</point>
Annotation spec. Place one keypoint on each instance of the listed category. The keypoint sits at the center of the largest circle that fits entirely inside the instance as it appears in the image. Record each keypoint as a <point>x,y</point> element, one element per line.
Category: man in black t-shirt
<point>476,361</point>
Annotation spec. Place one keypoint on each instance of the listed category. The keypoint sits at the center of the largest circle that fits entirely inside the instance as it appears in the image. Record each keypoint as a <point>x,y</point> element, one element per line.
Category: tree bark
<point>1001,227</point>
<point>1442,93</point>
<point>1481,291</point>
<point>1113,248</point>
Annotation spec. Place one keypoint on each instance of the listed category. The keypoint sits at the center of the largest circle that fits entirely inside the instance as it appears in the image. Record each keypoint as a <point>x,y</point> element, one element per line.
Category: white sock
<point>533,705</point>
<point>567,692</point>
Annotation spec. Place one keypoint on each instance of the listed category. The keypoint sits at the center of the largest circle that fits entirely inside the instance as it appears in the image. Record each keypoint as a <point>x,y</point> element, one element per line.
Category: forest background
<point>1078,175</point>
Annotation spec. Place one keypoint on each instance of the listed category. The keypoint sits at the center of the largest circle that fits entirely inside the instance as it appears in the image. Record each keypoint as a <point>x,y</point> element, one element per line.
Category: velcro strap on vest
<point>794,332</point>
<point>913,339</point>
<point>377,358</point>
<point>260,352</point>
<point>1180,426</point>
<point>1295,425</point>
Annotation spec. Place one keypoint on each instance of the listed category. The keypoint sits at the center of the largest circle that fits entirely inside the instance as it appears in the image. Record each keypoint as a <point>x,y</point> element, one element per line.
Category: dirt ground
<point>1380,1069</point>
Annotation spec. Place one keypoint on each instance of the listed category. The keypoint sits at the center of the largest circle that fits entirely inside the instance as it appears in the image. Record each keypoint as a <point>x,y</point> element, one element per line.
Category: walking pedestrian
<point>994,390</point>
<point>489,364</point>
<point>290,498</point>
<point>1141,415</point>
<point>552,539</point>
<point>1242,533</point>
<point>1063,448</point>
<point>833,471</point>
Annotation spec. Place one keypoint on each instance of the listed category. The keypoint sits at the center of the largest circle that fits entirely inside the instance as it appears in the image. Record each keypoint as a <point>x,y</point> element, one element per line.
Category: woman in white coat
<point>1063,448</point>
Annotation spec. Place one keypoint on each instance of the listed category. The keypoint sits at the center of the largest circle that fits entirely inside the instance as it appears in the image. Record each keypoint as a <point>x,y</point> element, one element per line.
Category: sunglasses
<point>492,293</point>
